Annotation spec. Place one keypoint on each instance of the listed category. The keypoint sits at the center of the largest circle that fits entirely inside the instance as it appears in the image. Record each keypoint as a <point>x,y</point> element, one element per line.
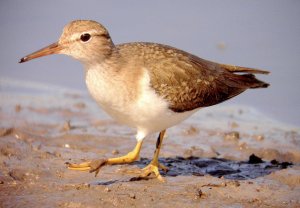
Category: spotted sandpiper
<point>147,86</point>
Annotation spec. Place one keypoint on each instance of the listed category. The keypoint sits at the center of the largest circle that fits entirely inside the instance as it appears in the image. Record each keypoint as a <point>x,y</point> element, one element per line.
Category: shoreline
<point>208,156</point>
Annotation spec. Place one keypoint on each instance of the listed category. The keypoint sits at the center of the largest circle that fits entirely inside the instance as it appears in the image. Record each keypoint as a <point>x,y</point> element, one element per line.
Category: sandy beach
<point>223,156</point>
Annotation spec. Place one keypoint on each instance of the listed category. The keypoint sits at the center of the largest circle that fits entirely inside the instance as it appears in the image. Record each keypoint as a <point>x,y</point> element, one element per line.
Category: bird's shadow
<point>217,167</point>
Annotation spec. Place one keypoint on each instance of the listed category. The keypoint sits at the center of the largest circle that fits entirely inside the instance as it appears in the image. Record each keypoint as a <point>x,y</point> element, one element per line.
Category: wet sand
<point>223,156</point>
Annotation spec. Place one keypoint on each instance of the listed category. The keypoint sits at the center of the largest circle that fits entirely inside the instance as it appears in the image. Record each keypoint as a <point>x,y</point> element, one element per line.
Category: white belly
<point>147,113</point>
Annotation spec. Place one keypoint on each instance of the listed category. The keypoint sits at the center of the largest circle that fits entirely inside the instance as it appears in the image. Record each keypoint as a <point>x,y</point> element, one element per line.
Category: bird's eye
<point>85,37</point>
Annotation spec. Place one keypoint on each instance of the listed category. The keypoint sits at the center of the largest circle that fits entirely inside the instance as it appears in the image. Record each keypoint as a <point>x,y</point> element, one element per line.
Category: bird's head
<point>85,40</point>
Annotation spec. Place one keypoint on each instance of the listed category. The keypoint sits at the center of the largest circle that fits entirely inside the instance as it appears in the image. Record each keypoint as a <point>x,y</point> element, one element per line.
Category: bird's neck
<point>110,58</point>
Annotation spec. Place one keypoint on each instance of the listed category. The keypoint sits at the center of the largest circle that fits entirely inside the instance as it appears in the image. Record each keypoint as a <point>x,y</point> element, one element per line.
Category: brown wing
<point>189,82</point>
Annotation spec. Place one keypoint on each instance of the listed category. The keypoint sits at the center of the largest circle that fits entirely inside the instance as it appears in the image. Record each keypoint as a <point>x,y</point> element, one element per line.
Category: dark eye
<point>85,37</point>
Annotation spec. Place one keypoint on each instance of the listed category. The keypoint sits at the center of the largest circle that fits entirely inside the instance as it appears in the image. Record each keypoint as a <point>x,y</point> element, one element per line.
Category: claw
<point>91,166</point>
<point>152,169</point>
<point>163,168</point>
<point>95,165</point>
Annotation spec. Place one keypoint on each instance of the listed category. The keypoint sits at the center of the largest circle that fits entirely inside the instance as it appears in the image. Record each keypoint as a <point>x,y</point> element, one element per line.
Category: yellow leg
<point>154,166</point>
<point>95,165</point>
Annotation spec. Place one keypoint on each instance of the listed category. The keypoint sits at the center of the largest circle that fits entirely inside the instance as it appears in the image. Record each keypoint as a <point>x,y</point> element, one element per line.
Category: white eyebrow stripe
<point>76,36</point>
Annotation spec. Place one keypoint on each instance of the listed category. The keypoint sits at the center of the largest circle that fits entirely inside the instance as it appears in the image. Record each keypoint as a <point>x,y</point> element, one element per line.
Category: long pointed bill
<point>54,48</point>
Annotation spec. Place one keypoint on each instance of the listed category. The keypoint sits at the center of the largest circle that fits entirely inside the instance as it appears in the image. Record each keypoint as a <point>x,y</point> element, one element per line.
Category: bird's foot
<point>152,169</point>
<point>95,165</point>
<point>91,166</point>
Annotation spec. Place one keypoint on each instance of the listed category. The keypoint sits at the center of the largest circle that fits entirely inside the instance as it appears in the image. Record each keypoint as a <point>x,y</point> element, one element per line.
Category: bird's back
<point>186,81</point>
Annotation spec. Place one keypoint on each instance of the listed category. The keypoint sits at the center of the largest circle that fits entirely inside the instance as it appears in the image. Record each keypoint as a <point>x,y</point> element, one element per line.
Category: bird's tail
<point>252,82</point>
<point>248,79</point>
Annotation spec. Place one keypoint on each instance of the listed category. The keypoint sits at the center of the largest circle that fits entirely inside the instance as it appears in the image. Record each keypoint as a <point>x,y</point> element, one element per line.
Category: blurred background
<point>259,34</point>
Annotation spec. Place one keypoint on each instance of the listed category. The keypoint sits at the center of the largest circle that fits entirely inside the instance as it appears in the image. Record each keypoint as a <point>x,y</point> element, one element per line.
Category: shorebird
<point>147,86</point>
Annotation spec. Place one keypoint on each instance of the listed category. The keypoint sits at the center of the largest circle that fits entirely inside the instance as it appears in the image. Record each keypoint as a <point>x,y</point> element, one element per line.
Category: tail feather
<point>247,78</point>
<point>252,82</point>
<point>237,69</point>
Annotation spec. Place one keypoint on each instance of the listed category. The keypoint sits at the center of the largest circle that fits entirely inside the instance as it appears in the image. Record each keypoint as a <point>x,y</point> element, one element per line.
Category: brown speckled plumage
<point>187,81</point>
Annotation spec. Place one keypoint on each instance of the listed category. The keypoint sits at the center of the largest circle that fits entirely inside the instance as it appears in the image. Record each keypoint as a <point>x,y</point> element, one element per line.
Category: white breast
<point>108,91</point>
<point>148,112</point>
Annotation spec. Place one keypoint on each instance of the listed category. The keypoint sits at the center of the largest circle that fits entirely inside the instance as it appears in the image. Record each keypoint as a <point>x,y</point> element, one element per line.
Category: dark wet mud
<point>218,167</point>
<point>227,156</point>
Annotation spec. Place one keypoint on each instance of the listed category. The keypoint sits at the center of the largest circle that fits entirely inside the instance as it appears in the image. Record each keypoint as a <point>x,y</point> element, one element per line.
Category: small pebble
<point>18,108</point>
<point>5,131</point>
<point>132,195</point>
<point>191,131</point>
<point>199,194</point>
<point>259,137</point>
<point>223,184</point>
<point>234,183</point>
<point>253,159</point>
<point>234,125</point>
<point>232,136</point>
<point>115,152</point>
<point>107,189</point>
<point>243,146</point>
<point>67,126</point>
